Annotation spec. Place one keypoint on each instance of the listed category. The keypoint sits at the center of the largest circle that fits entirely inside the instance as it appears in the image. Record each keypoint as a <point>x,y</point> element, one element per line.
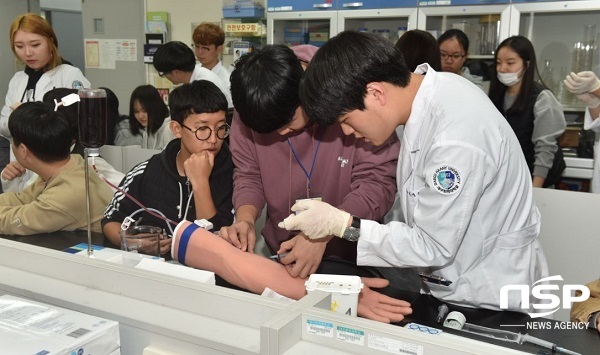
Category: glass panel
<point>483,31</point>
<point>294,32</point>
<point>390,28</point>
<point>563,42</point>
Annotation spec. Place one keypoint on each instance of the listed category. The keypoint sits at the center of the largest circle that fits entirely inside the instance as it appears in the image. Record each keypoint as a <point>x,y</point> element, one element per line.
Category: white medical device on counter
<point>344,291</point>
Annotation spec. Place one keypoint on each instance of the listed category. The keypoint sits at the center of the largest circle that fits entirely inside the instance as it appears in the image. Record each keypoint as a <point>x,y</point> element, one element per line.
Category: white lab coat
<point>201,73</point>
<point>594,125</point>
<point>63,76</point>
<point>483,235</point>
<point>222,73</point>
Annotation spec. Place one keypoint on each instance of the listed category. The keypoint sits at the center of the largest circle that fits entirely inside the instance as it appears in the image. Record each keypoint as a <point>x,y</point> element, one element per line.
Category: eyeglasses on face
<point>204,133</point>
<point>454,56</point>
<point>162,74</point>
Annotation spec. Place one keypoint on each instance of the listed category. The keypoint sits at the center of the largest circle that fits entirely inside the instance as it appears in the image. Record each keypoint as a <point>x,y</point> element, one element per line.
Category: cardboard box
<point>31,327</point>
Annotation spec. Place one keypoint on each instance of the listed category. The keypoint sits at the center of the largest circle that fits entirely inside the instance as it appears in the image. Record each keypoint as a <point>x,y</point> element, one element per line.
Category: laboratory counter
<point>425,307</point>
<point>582,341</point>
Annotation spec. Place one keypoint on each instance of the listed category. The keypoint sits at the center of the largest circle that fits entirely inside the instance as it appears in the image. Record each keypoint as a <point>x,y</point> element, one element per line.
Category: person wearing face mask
<point>530,108</point>
<point>34,43</point>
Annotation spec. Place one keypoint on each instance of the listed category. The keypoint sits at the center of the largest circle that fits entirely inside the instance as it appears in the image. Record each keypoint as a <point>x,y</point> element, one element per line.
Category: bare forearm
<point>205,206</point>
<point>112,231</point>
<point>246,213</point>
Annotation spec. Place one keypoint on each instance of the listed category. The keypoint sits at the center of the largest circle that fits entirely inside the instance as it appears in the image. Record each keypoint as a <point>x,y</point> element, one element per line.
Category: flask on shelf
<point>547,77</point>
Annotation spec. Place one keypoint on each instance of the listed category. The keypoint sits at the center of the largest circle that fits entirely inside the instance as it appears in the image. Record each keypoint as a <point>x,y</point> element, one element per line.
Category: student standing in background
<point>176,62</point>
<point>530,108</point>
<point>454,49</point>
<point>208,45</point>
<point>34,43</point>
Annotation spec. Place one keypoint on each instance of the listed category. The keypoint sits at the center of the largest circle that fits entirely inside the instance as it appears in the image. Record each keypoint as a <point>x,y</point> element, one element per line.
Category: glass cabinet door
<point>390,23</point>
<point>301,5</point>
<point>565,37</point>
<point>485,25</point>
<point>293,28</point>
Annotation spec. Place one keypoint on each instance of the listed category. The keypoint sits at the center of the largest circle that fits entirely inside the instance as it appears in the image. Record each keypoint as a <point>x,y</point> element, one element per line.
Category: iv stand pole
<point>90,251</point>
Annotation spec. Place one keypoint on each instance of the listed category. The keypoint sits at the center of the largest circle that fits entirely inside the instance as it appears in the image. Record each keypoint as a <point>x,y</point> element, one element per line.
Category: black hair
<point>174,55</point>
<point>71,112</point>
<point>264,87</point>
<point>460,36</point>
<point>200,96</point>
<point>113,115</point>
<point>46,133</point>
<point>151,101</point>
<point>524,48</point>
<point>418,47</point>
<point>335,82</point>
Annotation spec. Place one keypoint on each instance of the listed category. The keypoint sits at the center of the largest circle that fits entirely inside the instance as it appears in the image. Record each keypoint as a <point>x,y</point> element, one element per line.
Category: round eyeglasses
<point>204,133</point>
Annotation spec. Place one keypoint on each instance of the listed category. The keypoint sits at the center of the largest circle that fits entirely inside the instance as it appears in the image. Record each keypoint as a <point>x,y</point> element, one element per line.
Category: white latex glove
<point>582,82</point>
<point>316,219</point>
<point>590,100</point>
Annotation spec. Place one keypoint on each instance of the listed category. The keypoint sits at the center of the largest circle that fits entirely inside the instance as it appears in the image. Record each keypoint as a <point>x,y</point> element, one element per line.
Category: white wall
<point>64,5</point>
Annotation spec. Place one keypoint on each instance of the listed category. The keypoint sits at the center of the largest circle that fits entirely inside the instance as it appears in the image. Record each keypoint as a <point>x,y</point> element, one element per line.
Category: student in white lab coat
<point>464,186</point>
<point>34,43</point>
<point>586,86</point>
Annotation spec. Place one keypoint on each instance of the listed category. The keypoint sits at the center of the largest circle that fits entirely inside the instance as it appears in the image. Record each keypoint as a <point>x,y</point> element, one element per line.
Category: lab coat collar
<point>420,107</point>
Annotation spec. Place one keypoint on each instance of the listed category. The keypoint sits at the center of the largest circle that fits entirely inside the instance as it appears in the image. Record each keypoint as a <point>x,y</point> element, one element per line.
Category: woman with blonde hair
<point>35,45</point>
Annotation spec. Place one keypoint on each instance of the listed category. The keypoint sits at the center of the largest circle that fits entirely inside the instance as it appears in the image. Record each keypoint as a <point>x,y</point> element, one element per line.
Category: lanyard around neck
<point>312,165</point>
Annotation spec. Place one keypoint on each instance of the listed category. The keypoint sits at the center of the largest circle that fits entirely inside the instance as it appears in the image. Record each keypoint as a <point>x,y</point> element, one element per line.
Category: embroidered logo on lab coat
<point>77,84</point>
<point>446,180</point>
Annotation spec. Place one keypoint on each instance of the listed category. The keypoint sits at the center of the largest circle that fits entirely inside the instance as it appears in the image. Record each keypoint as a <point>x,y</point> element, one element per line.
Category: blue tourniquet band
<point>184,240</point>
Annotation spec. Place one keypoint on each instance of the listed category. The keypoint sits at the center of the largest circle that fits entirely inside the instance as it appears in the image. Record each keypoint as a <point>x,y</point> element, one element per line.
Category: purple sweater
<point>348,173</point>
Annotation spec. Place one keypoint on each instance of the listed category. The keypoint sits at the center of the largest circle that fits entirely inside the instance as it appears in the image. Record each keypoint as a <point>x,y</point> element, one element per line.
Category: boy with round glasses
<point>192,178</point>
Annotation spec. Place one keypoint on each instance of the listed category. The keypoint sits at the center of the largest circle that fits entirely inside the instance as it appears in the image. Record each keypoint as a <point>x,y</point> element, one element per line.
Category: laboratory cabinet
<point>485,25</point>
<point>565,37</point>
<point>301,5</point>
<point>317,5</point>
<point>287,24</point>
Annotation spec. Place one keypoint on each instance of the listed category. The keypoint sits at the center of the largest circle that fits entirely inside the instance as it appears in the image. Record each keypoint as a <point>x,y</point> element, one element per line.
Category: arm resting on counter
<point>204,250</point>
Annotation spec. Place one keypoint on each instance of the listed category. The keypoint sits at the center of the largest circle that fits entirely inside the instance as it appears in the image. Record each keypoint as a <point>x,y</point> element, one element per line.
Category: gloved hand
<point>582,82</point>
<point>316,219</point>
<point>590,100</point>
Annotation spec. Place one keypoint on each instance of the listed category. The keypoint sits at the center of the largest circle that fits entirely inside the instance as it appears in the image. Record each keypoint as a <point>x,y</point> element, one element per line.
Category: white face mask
<point>509,79</point>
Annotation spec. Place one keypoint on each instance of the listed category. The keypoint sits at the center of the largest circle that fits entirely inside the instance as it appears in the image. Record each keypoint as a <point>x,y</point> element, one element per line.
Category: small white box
<point>30,327</point>
<point>344,291</point>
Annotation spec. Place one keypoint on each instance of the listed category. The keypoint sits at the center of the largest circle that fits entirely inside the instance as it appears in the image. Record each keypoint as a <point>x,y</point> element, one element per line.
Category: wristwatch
<point>352,233</point>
